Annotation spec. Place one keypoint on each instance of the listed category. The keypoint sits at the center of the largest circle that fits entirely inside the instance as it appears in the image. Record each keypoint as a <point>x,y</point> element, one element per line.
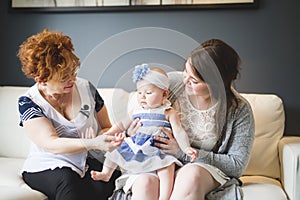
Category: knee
<point>147,183</point>
<point>69,186</point>
<point>69,180</point>
<point>145,186</point>
<point>192,173</point>
<point>199,183</point>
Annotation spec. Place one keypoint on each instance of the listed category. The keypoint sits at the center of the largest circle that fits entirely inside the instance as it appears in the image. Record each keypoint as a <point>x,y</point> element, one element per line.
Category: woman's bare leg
<point>166,181</point>
<point>145,187</point>
<point>193,182</point>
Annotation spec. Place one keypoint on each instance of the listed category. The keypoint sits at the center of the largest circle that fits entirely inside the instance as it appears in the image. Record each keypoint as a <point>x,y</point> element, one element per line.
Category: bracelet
<point>125,133</point>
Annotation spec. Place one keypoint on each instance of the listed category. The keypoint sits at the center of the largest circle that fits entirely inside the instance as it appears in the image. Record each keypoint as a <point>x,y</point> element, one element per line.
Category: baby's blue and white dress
<point>137,154</point>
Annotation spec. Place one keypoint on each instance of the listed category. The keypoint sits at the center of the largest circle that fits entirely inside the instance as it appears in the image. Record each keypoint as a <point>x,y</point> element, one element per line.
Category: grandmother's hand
<point>169,146</point>
<point>106,142</point>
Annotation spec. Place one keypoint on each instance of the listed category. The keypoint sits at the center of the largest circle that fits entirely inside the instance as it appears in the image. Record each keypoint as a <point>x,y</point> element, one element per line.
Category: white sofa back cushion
<point>269,126</point>
<point>14,142</point>
<point>116,101</point>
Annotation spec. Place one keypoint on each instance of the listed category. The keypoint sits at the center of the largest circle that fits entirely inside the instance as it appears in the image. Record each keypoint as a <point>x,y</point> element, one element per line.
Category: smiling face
<point>55,86</point>
<point>61,87</point>
<point>194,86</point>
<point>150,96</point>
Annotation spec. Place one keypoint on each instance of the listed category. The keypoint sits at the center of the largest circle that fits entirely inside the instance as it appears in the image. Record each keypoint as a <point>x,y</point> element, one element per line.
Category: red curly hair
<point>48,53</point>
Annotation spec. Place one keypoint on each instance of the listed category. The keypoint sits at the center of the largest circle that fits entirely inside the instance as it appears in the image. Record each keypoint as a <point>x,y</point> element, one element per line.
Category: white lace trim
<point>200,125</point>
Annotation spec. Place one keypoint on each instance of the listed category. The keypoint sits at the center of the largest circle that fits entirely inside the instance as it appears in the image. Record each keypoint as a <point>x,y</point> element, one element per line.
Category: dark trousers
<point>65,184</point>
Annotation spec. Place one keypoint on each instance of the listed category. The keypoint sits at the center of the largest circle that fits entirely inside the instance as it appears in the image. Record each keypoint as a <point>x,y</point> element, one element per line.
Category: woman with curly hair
<point>64,117</point>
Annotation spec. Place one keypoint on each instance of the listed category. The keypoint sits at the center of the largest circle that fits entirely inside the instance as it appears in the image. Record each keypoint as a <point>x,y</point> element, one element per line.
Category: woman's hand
<point>107,142</point>
<point>169,146</point>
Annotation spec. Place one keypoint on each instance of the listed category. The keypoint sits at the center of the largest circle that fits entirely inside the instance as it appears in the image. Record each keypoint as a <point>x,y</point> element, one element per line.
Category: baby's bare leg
<point>106,173</point>
<point>166,181</point>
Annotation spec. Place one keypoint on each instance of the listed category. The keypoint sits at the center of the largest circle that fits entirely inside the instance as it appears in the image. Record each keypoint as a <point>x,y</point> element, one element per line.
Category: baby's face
<point>148,95</point>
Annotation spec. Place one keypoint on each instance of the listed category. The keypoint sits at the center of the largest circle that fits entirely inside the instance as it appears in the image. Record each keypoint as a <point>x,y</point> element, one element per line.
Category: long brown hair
<point>224,57</point>
<point>218,64</point>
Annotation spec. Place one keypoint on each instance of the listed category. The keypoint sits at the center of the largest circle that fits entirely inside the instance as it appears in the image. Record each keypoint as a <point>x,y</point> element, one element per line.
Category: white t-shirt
<point>33,105</point>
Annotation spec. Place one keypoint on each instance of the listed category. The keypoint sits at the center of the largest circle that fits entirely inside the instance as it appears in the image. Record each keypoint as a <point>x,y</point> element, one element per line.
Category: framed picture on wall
<point>127,5</point>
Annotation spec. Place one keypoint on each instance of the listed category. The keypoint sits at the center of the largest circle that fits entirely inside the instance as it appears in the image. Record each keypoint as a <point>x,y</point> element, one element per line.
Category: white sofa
<point>272,174</point>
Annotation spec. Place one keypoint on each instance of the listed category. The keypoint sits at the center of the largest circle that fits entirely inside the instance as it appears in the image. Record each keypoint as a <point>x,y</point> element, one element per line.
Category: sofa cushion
<point>12,185</point>
<point>269,126</point>
<point>289,155</point>
<point>17,193</point>
<point>116,102</point>
<point>10,171</point>
<point>259,187</point>
<point>14,142</point>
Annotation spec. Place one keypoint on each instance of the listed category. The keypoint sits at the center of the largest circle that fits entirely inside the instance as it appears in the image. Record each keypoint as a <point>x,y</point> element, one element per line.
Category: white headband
<point>143,72</point>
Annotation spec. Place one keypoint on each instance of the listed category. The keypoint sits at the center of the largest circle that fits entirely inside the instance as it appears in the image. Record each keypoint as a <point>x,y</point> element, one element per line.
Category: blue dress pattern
<point>137,154</point>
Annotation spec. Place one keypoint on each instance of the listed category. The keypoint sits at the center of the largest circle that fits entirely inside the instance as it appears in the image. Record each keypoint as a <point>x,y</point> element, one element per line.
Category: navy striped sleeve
<point>98,99</point>
<point>28,109</point>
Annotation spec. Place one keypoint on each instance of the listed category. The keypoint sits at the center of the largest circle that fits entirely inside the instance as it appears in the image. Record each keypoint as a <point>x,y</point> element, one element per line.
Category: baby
<point>137,154</point>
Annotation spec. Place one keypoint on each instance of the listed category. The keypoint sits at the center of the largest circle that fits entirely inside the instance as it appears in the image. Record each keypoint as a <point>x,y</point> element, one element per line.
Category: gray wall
<point>267,39</point>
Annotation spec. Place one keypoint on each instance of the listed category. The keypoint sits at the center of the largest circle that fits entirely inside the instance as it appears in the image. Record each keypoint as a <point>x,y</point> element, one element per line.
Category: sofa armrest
<point>289,155</point>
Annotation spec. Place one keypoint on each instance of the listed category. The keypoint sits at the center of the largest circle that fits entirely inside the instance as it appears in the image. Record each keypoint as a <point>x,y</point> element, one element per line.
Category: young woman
<point>218,121</point>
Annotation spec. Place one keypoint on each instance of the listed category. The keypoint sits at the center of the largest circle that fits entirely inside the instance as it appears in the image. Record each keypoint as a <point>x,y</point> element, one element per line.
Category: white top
<point>200,126</point>
<point>202,134</point>
<point>39,159</point>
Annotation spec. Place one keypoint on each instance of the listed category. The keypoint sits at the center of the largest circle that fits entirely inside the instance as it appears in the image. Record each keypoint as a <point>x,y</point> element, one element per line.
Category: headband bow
<point>144,72</point>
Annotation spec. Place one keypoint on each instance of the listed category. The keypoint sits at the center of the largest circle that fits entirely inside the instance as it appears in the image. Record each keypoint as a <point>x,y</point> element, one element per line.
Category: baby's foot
<point>99,176</point>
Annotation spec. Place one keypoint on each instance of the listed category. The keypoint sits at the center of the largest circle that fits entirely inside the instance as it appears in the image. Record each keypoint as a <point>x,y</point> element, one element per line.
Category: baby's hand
<point>119,138</point>
<point>192,153</point>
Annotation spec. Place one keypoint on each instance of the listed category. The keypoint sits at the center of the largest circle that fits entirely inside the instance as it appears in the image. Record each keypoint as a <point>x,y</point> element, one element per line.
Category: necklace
<point>56,101</point>
<point>61,109</point>
<point>200,103</point>
<point>67,104</point>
